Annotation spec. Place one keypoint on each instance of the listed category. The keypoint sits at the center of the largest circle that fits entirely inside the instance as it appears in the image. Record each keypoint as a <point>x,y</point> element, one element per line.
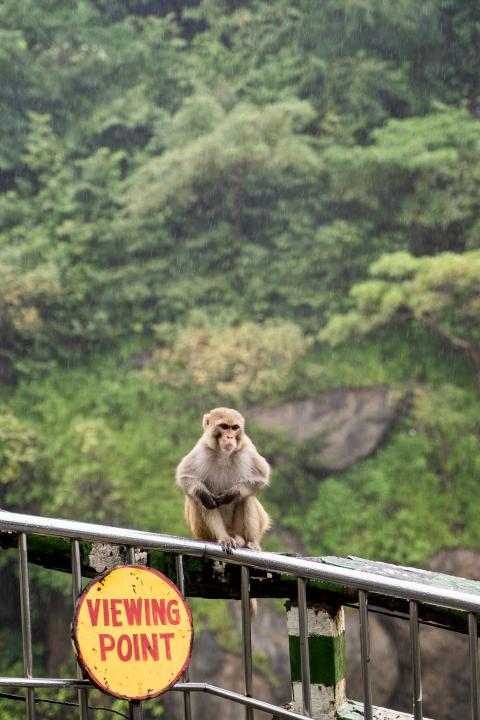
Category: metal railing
<point>364,582</point>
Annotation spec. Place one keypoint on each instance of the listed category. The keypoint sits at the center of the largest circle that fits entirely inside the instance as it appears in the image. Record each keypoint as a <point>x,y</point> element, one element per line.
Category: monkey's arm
<point>188,479</point>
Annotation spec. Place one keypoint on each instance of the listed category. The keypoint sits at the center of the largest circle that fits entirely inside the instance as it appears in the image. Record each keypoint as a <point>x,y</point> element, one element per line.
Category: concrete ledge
<point>354,711</point>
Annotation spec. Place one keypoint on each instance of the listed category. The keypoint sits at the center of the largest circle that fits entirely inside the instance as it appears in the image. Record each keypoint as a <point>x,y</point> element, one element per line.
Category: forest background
<point>241,203</point>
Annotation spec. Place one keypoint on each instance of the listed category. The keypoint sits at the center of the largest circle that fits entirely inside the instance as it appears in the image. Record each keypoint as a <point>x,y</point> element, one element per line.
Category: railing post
<point>416,661</point>
<point>76,590</point>
<point>26,621</point>
<point>365,654</point>
<point>327,659</point>
<point>134,706</point>
<point>247,637</point>
<point>187,700</point>
<point>473,646</point>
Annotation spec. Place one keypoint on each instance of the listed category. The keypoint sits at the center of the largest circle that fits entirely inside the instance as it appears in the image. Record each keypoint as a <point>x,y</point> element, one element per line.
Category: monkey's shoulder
<point>193,462</point>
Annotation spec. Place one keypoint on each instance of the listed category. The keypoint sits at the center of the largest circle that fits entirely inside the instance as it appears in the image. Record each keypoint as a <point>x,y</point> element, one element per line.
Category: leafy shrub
<point>246,362</point>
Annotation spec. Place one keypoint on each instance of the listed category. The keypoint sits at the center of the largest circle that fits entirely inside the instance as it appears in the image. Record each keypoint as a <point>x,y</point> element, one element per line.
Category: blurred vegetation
<point>255,362</point>
<point>234,202</point>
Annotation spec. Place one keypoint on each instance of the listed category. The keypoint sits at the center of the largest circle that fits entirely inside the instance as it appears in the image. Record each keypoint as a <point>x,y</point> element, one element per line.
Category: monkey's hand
<point>228,496</point>
<point>206,498</point>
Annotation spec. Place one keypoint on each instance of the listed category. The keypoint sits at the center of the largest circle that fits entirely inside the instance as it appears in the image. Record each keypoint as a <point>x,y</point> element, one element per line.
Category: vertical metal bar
<point>365,653</point>
<point>135,708</point>
<point>304,651</point>
<point>26,621</point>
<point>416,663</point>
<point>473,647</point>
<point>187,700</point>
<point>76,590</point>
<point>247,636</point>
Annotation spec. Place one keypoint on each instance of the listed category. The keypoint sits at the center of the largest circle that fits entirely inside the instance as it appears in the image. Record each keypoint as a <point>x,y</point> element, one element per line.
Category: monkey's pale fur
<point>227,480</point>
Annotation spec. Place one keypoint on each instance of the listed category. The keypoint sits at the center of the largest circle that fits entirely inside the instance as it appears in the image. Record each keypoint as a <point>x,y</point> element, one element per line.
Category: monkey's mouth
<point>228,446</point>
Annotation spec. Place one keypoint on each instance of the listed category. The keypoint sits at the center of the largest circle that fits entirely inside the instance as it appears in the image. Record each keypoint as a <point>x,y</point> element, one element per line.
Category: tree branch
<point>457,342</point>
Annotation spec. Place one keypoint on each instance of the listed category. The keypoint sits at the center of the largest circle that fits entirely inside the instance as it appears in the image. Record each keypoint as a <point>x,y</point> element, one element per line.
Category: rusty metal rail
<point>365,582</point>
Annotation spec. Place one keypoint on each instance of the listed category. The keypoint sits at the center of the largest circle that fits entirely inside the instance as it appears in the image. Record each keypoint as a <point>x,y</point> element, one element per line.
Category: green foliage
<point>141,189</point>
<point>254,365</point>
<point>419,490</point>
<point>18,459</point>
<point>109,444</point>
<point>440,292</point>
<point>217,618</point>
<point>354,61</point>
<point>240,175</point>
<point>400,355</point>
<point>418,180</point>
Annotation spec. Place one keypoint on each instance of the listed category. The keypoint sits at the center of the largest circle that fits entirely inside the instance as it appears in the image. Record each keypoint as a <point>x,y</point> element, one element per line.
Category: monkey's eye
<point>235,427</point>
<point>224,426</point>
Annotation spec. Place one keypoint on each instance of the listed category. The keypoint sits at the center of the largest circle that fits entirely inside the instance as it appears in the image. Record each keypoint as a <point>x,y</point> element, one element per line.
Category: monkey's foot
<point>228,545</point>
<point>239,540</point>
<point>253,546</point>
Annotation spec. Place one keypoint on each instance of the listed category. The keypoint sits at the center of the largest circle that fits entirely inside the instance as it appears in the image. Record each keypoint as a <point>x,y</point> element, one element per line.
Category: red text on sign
<point>117,612</point>
<point>138,646</point>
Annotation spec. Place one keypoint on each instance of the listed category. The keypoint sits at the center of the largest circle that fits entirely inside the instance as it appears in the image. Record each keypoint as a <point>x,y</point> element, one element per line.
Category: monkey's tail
<point>253,608</point>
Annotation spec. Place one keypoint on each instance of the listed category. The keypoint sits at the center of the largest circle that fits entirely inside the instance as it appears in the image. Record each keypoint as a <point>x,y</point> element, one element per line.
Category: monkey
<point>220,478</point>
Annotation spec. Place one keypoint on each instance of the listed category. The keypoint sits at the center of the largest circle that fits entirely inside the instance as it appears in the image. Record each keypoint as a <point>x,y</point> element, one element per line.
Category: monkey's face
<point>227,436</point>
<point>225,428</point>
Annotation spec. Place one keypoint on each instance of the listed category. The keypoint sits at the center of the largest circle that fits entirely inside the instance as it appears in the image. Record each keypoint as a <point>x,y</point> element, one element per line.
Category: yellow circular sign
<point>132,632</point>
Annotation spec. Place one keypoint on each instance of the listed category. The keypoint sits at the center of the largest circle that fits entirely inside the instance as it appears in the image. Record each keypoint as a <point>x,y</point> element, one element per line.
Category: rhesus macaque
<point>220,477</point>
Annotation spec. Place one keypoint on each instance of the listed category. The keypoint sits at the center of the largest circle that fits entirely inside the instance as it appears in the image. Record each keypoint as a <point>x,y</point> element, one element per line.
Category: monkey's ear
<point>206,421</point>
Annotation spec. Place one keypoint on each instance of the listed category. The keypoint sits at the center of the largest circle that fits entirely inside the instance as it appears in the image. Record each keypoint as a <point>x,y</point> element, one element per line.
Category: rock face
<point>349,423</point>
<point>385,665</point>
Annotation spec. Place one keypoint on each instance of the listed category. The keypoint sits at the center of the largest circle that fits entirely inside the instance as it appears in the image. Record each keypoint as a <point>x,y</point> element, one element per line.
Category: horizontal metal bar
<point>44,682</point>
<point>278,712</point>
<point>181,687</point>
<point>411,590</point>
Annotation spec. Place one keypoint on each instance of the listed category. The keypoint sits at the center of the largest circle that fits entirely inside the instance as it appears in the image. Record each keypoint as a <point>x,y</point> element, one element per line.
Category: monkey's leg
<point>216,525</point>
<point>194,515</point>
<point>251,522</point>
<point>209,525</point>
